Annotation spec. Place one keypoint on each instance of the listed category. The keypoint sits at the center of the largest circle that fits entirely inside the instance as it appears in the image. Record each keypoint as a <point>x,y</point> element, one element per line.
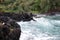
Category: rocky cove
<point>9,29</point>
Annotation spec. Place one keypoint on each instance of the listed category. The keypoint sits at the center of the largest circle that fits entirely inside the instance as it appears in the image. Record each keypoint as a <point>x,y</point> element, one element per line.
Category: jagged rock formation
<point>9,29</point>
<point>18,17</point>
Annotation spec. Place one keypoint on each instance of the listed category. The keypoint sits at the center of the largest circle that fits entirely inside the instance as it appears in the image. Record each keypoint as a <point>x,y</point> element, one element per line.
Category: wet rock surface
<point>18,16</point>
<point>9,29</point>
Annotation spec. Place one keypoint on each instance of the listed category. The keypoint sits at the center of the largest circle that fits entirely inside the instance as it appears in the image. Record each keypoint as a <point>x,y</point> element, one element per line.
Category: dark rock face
<point>9,29</point>
<point>27,17</point>
<point>18,17</point>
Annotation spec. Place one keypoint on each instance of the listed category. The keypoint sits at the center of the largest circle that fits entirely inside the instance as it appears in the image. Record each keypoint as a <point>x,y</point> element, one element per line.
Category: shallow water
<point>44,28</point>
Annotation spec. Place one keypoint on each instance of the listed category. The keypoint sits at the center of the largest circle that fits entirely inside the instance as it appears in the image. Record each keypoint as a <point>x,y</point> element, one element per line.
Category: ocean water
<point>44,28</point>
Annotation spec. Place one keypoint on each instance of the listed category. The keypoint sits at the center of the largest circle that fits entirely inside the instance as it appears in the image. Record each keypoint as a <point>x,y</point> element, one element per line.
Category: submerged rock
<point>9,29</point>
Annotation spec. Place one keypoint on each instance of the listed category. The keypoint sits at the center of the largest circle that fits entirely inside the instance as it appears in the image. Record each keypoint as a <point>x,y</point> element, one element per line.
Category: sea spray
<point>41,29</point>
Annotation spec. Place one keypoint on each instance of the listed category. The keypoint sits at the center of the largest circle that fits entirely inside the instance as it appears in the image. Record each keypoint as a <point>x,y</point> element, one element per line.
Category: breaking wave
<point>44,28</point>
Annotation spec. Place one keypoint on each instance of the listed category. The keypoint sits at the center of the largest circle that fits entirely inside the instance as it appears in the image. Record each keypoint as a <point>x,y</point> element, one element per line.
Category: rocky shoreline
<point>9,29</point>
<point>18,16</point>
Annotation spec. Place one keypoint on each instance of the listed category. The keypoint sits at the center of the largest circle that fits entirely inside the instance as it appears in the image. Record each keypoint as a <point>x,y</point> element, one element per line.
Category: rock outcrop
<point>9,29</point>
<point>18,16</point>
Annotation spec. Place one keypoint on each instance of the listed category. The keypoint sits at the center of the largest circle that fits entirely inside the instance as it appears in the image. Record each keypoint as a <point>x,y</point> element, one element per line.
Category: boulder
<point>9,29</point>
<point>27,16</point>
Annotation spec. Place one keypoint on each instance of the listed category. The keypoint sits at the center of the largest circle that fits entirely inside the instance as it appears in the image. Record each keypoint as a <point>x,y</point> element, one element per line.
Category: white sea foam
<point>41,29</point>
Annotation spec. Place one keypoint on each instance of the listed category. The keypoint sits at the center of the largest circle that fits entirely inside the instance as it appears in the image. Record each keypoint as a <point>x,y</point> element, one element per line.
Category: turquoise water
<point>44,28</point>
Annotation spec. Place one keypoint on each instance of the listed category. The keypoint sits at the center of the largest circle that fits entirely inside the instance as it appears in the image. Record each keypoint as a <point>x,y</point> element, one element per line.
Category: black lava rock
<point>9,29</point>
<point>18,16</point>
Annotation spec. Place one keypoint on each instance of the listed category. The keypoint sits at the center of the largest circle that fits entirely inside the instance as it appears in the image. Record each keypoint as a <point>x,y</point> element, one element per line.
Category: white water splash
<point>41,29</point>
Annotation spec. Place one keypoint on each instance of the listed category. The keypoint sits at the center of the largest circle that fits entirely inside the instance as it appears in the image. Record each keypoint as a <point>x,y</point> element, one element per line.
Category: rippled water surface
<point>44,28</point>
